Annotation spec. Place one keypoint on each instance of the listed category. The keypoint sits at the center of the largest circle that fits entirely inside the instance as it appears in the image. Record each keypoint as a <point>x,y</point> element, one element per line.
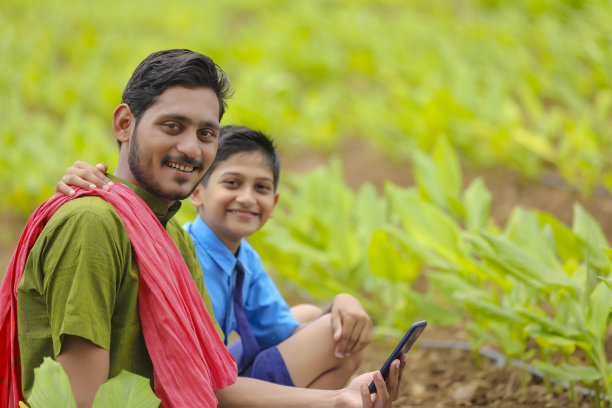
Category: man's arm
<point>249,392</point>
<point>87,366</point>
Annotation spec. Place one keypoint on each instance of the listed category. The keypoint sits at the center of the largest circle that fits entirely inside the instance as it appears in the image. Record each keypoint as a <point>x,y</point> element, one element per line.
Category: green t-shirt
<point>81,279</point>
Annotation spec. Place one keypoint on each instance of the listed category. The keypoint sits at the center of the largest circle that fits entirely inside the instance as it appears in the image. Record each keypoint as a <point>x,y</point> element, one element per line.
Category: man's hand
<point>84,175</point>
<point>352,327</point>
<point>358,395</point>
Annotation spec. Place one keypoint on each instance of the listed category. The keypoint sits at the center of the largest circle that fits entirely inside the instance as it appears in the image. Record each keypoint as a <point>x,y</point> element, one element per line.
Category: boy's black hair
<point>166,68</point>
<point>241,139</point>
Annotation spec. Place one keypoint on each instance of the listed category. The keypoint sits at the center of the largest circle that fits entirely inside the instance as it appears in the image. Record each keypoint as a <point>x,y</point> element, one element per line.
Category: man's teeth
<point>180,167</point>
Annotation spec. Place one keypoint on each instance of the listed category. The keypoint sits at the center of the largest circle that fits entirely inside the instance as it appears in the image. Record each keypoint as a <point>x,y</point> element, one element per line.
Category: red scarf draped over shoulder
<point>189,359</point>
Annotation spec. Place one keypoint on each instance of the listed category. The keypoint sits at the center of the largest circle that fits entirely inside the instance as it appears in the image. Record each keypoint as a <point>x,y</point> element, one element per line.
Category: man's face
<point>174,142</point>
<point>238,198</point>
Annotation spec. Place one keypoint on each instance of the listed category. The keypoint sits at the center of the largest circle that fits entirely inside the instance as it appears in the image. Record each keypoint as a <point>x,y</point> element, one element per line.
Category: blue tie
<point>250,348</point>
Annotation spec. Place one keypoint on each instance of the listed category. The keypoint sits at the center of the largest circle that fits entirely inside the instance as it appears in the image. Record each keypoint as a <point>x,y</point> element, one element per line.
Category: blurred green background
<point>520,84</point>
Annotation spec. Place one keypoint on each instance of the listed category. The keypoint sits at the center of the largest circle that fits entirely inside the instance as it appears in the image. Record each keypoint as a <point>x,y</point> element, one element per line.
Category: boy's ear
<point>196,198</point>
<point>123,122</point>
<point>275,201</point>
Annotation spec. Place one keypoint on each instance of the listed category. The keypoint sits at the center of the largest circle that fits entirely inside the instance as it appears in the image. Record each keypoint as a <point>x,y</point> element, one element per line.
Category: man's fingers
<point>382,394</point>
<point>394,379</point>
<point>366,398</point>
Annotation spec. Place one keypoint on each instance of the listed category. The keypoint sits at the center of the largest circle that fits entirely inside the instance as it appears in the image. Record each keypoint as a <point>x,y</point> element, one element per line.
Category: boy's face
<point>238,198</point>
<point>174,142</point>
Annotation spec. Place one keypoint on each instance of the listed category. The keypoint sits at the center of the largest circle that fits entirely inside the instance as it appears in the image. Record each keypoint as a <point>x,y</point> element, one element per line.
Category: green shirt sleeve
<point>84,260</point>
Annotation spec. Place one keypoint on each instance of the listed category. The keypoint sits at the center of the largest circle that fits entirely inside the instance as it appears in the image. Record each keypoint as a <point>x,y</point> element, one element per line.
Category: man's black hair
<point>164,69</point>
<point>240,139</point>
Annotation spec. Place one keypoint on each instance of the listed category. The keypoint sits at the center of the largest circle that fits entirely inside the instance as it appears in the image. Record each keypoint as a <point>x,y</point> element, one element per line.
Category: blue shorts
<point>268,365</point>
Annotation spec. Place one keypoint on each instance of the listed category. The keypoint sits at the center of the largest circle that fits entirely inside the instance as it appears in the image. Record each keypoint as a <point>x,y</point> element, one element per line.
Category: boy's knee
<point>306,312</point>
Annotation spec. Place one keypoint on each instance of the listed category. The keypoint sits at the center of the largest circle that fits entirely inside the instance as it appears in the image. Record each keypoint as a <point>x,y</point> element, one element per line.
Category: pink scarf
<point>189,358</point>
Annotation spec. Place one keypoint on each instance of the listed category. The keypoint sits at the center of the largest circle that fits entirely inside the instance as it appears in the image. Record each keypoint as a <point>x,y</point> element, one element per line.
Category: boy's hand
<point>352,327</point>
<point>84,175</point>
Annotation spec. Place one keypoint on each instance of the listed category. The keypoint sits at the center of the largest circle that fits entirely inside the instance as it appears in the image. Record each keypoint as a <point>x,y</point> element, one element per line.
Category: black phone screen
<point>403,346</point>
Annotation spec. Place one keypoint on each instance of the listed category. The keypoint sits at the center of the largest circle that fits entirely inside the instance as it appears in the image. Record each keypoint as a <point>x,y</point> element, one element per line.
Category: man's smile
<point>178,166</point>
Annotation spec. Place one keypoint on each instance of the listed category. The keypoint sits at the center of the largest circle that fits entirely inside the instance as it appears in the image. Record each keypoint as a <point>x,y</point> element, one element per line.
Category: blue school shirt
<point>268,314</point>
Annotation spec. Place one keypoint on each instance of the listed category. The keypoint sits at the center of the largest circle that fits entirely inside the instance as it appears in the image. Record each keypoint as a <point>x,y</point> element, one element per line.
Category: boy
<point>235,199</point>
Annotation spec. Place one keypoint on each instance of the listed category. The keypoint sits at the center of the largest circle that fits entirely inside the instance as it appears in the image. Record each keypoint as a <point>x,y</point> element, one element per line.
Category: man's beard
<point>139,164</point>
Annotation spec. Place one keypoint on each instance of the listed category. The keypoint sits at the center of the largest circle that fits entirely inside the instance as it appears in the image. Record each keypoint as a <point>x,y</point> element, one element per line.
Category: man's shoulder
<point>86,210</point>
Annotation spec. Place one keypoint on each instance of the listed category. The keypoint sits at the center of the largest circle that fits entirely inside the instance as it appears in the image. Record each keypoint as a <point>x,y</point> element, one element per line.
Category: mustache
<point>183,159</point>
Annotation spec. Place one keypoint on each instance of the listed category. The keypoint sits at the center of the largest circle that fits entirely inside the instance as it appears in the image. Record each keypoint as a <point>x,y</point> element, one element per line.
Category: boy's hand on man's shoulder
<point>352,327</point>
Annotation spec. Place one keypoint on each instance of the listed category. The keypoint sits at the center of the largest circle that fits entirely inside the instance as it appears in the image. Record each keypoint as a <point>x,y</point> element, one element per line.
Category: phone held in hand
<point>404,345</point>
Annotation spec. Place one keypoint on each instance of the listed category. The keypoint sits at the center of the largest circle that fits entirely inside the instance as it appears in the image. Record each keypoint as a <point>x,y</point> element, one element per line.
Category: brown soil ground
<point>440,378</point>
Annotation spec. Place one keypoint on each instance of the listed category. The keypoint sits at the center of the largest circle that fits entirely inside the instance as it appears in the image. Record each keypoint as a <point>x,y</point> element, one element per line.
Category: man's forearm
<point>249,392</point>
<point>87,366</point>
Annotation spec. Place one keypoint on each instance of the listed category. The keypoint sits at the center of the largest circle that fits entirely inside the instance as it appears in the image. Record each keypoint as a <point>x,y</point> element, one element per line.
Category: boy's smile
<point>238,198</point>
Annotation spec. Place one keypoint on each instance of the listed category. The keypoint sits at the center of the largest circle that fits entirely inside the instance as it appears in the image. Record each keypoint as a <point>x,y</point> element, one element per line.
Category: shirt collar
<point>157,205</point>
<point>206,239</point>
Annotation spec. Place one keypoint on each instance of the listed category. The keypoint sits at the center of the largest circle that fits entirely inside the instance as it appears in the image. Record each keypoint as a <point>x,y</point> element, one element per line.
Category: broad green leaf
<point>427,179</point>
<point>597,319</point>
<point>448,169</point>
<point>483,307</point>
<point>425,223</point>
<point>548,325</point>
<point>126,390</point>
<point>607,281</point>
<point>477,202</point>
<point>550,341</point>
<point>566,241</point>
<point>449,283</point>
<point>568,372</point>
<point>508,338</point>
<point>524,230</point>
<point>592,237</point>
<point>386,261</point>
<point>51,387</point>
<point>508,257</point>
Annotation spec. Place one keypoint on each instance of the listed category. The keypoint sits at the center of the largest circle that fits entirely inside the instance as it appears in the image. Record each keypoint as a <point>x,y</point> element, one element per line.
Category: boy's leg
<point>309,356</point>
<point>305,313</point>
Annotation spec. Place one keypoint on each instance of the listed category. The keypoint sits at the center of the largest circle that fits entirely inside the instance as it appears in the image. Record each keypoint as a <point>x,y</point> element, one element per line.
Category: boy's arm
<point>352,327</point>
<point>87,366</point>
<point>249,392</point>
<point>83,175</point>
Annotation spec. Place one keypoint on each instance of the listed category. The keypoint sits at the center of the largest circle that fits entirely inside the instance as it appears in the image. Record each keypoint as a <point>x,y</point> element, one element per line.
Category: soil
<point>446,377</point>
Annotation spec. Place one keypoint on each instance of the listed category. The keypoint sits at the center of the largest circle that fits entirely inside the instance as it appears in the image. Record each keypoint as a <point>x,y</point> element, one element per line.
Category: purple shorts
<point>268,365</point>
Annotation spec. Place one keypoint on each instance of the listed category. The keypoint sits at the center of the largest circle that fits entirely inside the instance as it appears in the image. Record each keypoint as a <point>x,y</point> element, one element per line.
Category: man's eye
<point>171,127</point>
<point>207,134</point>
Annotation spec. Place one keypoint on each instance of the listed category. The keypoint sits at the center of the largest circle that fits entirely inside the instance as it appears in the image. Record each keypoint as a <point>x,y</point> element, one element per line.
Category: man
<point>78,300</point>
<point>166,144</point>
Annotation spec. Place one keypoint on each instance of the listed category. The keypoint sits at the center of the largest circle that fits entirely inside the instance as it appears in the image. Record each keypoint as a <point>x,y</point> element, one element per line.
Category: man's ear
<point>123,122</point>
<point>196,198</point>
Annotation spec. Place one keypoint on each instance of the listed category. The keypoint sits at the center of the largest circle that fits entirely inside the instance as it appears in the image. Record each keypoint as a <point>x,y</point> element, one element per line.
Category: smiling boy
<point>235,199</point>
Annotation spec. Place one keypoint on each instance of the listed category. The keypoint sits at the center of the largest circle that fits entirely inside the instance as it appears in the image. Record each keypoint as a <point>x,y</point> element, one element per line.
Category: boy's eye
<point>263,187</point>
<point>230,183</point>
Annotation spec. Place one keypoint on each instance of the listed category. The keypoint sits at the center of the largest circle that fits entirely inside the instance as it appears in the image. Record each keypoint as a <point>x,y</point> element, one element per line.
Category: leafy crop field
<point>519,85</point>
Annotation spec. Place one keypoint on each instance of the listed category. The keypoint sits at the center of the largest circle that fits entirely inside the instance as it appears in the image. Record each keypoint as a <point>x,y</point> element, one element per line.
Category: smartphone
<point>404,345</point>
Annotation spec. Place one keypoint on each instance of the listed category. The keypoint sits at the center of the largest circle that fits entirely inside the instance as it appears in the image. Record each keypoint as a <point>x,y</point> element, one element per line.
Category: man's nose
<point>189,145</point>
